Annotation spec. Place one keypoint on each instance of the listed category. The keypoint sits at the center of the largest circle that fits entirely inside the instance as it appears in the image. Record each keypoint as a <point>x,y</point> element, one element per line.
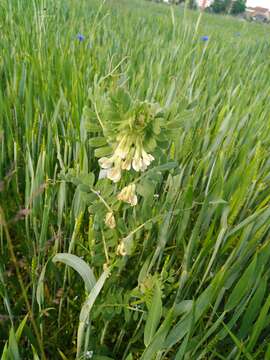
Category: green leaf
<point>98,141</point>
<point>63,356</point>
<point>202,304</point>
<point>78,265</point>
<point>267,354</point>
<point>13,349</point>
<point>20,328</point>
<point>92,127</point>
<point>146,188</point>
<point>244,283</point>
<point>87,306</point>
<point>154,315</point>
<point>253,308</point>
<point>78,204</point>
<point>129,357</point>
<point>239,345</point>
<point>40,287</point>
<point>183,307</point>
<point>259,325</point>
<point>89,121</point>
<point>35,354</point>
<point>87,179</point>
<point>156,126</point>
<point>165,167</point>
<point>103,151</point>
<point>157,343</point>
<point>144,270</point>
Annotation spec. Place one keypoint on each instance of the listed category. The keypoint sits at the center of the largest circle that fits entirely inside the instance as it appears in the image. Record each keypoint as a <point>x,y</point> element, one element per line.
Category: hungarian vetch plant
<point>134,182</point>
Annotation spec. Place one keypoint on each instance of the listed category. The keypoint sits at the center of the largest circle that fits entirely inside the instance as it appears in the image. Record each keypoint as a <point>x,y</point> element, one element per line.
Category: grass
<point>184,274</point>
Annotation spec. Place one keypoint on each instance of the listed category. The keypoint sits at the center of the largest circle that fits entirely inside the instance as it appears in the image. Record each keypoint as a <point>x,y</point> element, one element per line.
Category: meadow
<point>134,183</point>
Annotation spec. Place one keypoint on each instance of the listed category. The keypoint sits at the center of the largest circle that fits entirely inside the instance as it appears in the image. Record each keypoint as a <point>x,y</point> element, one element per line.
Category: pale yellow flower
<point>147,158</point>
<point>137,164</point>
<point>137,161</point>
<point>141,159</point>
<point>121,249</point>
<point>114,174</point>
<point>106,163</point>
<point>126,165</point>
<point>110,220</point>
<point>128,195</point>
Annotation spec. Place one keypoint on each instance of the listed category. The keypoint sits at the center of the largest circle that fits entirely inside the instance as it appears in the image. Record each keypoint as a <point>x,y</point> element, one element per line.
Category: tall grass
<point>194,281</point>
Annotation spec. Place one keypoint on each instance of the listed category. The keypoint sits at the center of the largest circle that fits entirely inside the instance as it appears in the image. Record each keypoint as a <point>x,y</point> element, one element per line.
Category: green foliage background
<point>195,281</point>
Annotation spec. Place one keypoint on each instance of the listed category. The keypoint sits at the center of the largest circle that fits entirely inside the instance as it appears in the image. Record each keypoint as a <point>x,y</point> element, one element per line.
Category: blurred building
<point>258,13</point>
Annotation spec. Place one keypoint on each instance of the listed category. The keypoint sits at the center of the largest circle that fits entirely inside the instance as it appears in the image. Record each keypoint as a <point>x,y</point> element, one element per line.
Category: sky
<point>262,3</point>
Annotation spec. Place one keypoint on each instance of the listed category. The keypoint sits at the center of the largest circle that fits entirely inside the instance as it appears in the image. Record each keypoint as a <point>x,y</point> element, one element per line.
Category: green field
<point>165,254</point>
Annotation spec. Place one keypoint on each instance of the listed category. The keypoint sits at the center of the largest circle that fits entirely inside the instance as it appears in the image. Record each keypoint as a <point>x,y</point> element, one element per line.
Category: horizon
<point>250,3</point>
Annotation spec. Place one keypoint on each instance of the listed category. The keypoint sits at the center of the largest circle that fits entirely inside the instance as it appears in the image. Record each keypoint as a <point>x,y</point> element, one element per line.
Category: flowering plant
<point>131,131</point>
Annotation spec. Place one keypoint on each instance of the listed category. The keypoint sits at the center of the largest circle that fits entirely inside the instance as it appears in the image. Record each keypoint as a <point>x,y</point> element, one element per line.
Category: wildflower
<point>110,220</point>
<point>137,163</point>
<point>132,129</point>
<point>80,37</point>
<point>114,174</point>
<point>106,163</point>
<point>126,165</point>
<point>141,159</point>
<point>128,195</point>
<point>126,246</point>
<point>112,166</point>
<point>238,34</point>
<point>147,158</point>
<point>121,249</point>
<point>205,38</point>
<point>128,153</point>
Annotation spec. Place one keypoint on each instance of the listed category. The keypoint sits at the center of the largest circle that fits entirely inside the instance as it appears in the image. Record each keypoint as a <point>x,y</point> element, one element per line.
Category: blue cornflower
<point>238,34</point>
<point>80,37</point>
<point>205,38</point>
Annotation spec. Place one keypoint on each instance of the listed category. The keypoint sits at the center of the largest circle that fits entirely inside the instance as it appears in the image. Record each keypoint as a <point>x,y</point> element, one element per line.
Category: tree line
<point>233,7</point>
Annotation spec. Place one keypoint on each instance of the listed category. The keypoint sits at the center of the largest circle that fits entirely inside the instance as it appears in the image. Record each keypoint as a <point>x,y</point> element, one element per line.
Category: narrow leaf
<point>154,315</point>
<point>78,265</point>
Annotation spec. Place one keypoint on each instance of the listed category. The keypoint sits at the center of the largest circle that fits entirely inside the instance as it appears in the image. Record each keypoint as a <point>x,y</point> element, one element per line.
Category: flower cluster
<point>129,153</point>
